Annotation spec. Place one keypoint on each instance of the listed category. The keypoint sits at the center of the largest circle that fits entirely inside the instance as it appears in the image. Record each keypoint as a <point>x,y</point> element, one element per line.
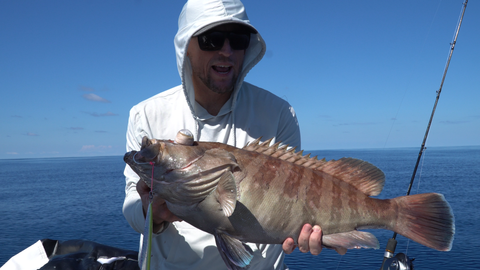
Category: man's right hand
<point>160,212</point>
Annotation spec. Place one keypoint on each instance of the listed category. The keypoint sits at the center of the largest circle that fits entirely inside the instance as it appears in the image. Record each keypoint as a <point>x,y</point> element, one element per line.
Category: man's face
<point>217,70</point>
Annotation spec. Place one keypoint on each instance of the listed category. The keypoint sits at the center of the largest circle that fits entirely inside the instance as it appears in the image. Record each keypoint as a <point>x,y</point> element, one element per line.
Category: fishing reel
<point>399,262</point>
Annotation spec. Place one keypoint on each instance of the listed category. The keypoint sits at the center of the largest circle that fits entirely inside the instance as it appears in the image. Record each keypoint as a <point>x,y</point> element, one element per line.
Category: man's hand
<point>160,212</point>
<point>310,239</point>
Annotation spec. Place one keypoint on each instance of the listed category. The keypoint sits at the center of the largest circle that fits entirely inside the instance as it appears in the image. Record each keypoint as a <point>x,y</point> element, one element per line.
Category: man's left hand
<point>310,239</point>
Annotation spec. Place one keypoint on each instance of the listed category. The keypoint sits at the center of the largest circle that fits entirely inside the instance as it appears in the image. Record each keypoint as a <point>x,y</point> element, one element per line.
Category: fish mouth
<point>135,157</point>
<point>147,155</point>
<point>128,157</point>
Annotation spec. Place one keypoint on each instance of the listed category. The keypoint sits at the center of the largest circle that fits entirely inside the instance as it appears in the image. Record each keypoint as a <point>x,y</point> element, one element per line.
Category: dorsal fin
<point>282,152</point>
<point>362,175</point>
<point>252,146</point>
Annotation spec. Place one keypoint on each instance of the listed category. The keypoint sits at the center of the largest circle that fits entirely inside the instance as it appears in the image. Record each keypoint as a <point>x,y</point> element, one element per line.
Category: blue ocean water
<point>81,198</point>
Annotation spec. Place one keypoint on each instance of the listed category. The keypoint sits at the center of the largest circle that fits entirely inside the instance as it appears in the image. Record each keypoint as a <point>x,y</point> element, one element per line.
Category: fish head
<point>183,171</point>
<point>165,156</point>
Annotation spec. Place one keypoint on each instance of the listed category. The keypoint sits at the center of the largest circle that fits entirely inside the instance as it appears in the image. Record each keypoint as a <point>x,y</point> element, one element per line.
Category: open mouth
<point>222,69</point>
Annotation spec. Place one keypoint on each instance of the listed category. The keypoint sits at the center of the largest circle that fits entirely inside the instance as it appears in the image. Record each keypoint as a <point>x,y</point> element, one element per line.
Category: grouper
<point>265,193</point>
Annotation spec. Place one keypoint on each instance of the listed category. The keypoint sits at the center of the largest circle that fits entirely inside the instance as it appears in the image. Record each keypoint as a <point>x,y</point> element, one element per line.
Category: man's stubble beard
<point>210,84</point>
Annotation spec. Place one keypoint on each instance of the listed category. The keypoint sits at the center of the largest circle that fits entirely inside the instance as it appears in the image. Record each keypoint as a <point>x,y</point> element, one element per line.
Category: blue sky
<point>360,74</point>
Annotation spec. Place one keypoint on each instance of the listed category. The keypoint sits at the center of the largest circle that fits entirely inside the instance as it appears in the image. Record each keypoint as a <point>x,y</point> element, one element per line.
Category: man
<point>216,46</point>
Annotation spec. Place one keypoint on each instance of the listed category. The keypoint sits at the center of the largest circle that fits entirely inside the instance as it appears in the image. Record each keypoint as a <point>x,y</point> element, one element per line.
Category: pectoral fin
<point>349,240</point>
<point>236,254</point>
<point>226,193</point>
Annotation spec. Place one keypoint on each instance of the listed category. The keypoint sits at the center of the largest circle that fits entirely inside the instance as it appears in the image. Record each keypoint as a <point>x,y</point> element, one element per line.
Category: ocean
<point>81,198</point>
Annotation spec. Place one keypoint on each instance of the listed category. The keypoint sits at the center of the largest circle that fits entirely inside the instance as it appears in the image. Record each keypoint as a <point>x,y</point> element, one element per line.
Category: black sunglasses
<point>214,40</point>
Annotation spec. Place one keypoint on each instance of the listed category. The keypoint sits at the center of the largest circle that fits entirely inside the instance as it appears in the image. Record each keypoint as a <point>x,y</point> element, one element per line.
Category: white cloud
<point>101,114</point>
<point>87,147</point>
<point>93,148</point>
<point>96,98</point>
<point>108,114</point>
<point>453,122</point>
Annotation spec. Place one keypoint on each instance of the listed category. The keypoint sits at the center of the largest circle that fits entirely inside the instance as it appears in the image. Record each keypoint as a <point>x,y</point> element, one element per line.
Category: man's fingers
<point>303,238</point>
<point>142,187</point>
<point>160,210</point>
<point>309,240</point>
<point>315,240</point>
<point>288,245</point>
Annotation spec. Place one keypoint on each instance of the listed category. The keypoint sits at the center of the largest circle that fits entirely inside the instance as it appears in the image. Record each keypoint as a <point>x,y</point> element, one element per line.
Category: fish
<point>264,193</point>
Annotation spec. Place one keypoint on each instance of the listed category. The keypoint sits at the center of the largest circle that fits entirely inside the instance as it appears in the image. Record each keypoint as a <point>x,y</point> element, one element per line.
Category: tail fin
<point>426,219</point>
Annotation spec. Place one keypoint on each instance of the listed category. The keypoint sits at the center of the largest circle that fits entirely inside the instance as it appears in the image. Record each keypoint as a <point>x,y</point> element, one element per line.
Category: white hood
<point>201,14</point>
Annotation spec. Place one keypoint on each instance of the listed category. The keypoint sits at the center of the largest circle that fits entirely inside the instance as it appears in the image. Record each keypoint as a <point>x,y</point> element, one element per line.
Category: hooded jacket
<point>251,112</point>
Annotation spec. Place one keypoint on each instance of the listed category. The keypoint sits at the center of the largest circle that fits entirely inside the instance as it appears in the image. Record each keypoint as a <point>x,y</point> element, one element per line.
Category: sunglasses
<point>214,40</point>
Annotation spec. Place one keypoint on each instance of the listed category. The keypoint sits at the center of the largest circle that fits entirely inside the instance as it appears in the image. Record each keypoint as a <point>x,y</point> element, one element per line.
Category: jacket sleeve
<point>132,206</point>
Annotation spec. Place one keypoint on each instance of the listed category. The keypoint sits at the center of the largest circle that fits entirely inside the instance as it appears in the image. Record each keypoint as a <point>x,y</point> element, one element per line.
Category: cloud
<point>100,131</point>
<point>75,128</point>
<point>12,153</point>
<point>93,97</point>
<point>355,124</point>
<point>93,148</point>
<point>31,134</point>
<point>453,122</point>
<point>101,114</point>
<point>90,89</point>
<point>49,152</point>
<point>87,147</point>
<point>17,116</point>
<point>108,114</point>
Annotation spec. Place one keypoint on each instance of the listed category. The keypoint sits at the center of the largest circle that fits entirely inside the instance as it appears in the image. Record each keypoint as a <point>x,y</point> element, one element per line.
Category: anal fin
<point>350,240</point>
<point>236,254</point>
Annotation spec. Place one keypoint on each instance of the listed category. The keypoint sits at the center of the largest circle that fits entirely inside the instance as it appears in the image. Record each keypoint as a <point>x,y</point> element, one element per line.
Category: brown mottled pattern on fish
<point>264,194</point>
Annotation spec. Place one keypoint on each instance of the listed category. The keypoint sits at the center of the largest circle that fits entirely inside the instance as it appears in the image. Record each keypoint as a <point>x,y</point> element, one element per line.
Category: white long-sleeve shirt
<point>251,112</point>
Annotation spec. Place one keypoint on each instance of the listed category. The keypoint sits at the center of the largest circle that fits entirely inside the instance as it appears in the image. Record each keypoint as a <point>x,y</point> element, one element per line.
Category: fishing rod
<point>392,243</point>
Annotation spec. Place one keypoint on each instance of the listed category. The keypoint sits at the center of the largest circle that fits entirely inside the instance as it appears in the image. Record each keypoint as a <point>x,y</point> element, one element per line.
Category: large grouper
<point>265,194</point>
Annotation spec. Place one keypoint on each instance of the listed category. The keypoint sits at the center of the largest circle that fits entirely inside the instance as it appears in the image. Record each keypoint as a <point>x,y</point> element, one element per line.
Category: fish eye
<point>184,137</point>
